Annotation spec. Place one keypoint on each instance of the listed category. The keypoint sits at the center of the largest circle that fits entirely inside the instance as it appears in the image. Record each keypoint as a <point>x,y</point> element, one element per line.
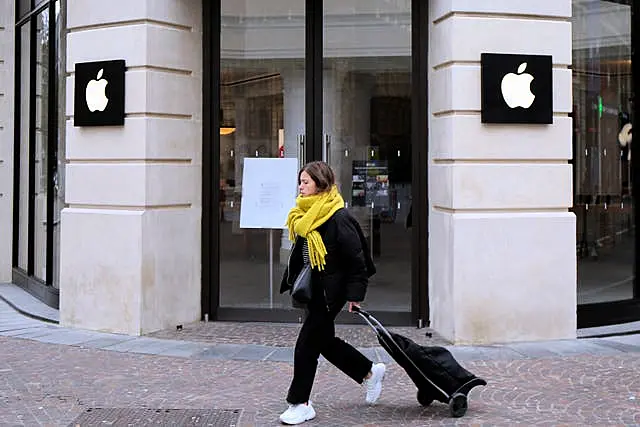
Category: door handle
<point>301,149</point>
<point>327,148</point>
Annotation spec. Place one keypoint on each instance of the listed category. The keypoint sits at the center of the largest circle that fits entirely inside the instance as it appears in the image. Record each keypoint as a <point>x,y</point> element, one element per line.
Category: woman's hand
<point>353,304</point>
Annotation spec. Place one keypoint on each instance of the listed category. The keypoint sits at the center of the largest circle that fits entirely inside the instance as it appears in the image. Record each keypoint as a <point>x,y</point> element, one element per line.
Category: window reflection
<point>602,91</point>
<point>41,145</point>
<point>23,196</point>
<point>367,125</point>
<point>262,98</point>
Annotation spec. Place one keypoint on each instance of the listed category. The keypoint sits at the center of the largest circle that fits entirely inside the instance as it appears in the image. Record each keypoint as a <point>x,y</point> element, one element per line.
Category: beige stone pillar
<point>130,237</point>
<point>7,55</point>
<point>502,239</point>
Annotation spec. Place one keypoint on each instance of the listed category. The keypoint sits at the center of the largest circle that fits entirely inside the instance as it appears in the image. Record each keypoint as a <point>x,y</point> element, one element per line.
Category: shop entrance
<point>316,80</point>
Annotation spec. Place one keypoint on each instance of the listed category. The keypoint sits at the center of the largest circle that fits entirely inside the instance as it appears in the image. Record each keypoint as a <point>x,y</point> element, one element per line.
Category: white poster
<point>269,190</point>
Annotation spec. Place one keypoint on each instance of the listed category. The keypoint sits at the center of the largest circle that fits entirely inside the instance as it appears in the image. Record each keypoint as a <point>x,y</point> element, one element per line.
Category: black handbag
<point>301,291</point>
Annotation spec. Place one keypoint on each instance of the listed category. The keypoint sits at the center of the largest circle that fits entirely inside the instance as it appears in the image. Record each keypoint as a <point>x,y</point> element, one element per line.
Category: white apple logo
<point>96,98</point>
<point>516,89</point>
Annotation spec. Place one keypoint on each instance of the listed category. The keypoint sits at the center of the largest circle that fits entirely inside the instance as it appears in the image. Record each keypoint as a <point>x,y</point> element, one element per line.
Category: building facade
<point>487,232</point>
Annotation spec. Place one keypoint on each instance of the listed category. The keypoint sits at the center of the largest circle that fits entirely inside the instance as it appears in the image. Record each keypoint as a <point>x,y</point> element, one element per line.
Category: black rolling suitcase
<point>433,369</point>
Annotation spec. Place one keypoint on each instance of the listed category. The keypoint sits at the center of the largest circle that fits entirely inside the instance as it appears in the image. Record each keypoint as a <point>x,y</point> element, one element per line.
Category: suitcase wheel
<point>424,398</point>
<point>458,405</point>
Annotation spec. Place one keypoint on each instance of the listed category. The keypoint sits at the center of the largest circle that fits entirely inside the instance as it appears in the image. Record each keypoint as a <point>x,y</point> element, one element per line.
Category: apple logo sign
<point>99,93</point>
<point>95,93</point>
<point>516,88</point>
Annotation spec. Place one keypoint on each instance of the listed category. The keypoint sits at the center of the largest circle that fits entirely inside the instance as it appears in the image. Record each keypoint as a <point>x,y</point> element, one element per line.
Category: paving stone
<point>503,352</point>
<point>621,346</point>
<point>220,351</point>
<point>106,341</point>
<point>571,347</point>
<point>34,333</point>
<point>65,336</point>
<point>631,340</point>
<point>150,416</point>
<point>281,354</point>
<point>383,356</point>
<point>600,347</point>
<point>26,302</point>
<point>464,353</point>
<point>18,324</point>
<point>142,345</point>
<point>535,350</point>
<point>253,352</point>
<point>20,331</point>
<point>370,353</point>
<point>184,350</point>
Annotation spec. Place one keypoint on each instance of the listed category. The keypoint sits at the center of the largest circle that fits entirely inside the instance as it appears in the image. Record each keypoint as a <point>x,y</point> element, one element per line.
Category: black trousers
<point>317,337</point>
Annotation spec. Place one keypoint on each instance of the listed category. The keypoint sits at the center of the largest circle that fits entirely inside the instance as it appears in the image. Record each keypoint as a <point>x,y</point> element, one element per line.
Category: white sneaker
<point>374,383</point>
<point>297,414</point>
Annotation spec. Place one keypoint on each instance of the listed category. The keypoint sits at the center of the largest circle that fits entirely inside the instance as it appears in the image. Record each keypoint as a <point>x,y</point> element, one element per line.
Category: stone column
<point>130,236</point>
<point>502,241</point>
<point>7,25</point>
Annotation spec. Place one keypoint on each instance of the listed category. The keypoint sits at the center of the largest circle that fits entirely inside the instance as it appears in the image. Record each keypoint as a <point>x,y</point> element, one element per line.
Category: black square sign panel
<point>99,93</point>
<point>517,88</point>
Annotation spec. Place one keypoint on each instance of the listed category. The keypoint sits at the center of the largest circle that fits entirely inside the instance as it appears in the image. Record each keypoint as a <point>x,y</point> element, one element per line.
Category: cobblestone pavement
<point>284,334</point>
<point>51,384</point>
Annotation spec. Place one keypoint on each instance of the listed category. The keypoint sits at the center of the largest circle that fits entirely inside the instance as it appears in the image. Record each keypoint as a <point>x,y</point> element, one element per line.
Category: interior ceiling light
<point>226,128</point>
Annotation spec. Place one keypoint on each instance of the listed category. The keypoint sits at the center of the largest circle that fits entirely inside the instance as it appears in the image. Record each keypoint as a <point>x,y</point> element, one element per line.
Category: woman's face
<point>307,185</point>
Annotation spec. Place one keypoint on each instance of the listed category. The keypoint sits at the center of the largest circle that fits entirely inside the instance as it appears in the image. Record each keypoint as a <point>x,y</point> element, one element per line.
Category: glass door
<point>314,80</point>
<point>262,115</point>
<point>367,110</point>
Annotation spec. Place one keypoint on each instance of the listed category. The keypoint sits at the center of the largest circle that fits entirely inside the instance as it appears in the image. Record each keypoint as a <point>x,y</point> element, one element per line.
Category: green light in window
<point>600,107</point>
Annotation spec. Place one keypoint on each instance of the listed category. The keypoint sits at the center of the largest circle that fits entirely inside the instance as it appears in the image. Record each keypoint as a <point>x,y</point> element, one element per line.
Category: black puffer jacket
<point>348,262</point>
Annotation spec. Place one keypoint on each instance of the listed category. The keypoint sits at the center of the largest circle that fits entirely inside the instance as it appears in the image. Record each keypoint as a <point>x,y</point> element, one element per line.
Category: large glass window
<point>23,196</point>
<point>262,97</point>
<point>36,144</point>
<point>367,132</point>
<point>41,144</point>
<point>273,57</point>
<point>603,111</point>
<point>57,173</point>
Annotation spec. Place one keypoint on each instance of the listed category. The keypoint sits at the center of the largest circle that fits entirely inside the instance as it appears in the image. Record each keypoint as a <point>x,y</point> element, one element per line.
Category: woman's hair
<point>321,173</point>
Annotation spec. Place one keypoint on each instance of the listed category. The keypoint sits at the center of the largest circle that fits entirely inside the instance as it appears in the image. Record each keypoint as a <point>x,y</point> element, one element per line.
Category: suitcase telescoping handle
<point>371,321</point>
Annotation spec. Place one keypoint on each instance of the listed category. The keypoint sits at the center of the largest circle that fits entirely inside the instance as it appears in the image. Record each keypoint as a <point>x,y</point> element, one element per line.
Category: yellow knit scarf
<point>310,213</point>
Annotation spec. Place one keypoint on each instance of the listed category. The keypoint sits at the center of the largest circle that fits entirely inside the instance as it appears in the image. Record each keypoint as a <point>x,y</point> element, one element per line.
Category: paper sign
<point>269,189</point>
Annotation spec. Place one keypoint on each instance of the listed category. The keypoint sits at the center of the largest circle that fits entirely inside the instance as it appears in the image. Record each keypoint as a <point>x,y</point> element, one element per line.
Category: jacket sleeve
<point>352,260</point>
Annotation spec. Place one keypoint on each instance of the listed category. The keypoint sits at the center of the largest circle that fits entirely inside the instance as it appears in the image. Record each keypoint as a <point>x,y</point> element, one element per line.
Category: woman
<point>330,239</point>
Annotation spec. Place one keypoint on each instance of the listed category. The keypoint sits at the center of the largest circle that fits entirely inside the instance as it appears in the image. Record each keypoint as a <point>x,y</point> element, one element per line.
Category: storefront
<point>476,228</point>
<point>329,81</point>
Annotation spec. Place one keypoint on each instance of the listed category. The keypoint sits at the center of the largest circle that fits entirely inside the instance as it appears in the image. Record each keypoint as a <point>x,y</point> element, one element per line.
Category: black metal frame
<point>420,151</point>
<point>42,289</point>
<point>313,79</point>
<point>210,164</point>
<point>635,160</point>
<point>313,150</point>
<point>616,312</point>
